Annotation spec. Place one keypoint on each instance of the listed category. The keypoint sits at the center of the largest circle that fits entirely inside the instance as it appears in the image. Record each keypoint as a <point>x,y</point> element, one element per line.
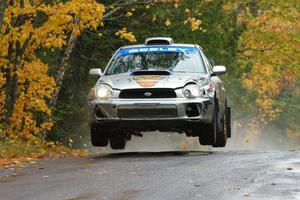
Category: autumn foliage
<point>270,48</point>
<point>28,27</point>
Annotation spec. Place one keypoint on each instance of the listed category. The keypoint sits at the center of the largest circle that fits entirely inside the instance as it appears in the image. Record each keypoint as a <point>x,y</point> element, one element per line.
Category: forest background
<point>48,46</point>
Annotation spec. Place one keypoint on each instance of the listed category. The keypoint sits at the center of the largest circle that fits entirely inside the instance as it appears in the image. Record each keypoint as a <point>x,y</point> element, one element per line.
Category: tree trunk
<point>8,85</point>
<point>62,69</point>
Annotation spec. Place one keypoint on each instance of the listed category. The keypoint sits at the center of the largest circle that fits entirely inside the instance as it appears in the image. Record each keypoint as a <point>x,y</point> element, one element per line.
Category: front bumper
<point>199,109</point>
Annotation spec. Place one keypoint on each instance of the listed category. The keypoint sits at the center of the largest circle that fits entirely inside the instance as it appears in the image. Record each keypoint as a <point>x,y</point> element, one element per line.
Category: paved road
<point>163,175</point>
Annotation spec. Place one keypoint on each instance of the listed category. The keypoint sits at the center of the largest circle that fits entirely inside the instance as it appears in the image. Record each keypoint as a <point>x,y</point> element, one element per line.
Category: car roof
<point>167,45</point>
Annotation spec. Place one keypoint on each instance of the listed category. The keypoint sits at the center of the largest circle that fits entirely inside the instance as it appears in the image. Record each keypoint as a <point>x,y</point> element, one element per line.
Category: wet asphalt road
<point>163,175</point>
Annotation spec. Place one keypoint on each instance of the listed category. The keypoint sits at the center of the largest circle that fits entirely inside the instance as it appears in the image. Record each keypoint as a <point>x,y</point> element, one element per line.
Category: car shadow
<point>146,154</point>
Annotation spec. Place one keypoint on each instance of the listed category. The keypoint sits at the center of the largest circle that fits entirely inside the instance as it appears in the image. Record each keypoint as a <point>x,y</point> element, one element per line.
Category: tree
<point>27,28</point>
<point>269,53</point>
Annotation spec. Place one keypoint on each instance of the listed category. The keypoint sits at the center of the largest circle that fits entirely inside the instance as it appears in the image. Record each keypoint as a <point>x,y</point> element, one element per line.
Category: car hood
<point>128,81</point>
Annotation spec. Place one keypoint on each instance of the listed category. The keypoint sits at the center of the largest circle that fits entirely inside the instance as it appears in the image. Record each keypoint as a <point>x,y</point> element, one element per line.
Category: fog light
<point>192,110</point>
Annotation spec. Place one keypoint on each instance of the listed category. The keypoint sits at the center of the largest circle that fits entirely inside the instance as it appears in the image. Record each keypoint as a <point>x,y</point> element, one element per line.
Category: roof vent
<point>159,41</point>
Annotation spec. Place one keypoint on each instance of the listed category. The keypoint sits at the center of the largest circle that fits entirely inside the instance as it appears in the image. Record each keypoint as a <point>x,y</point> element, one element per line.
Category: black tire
<point>117,141</point>
<point>228,122</point>
<point>206,137</point>
<point>99,136</point>
<point>210,131</point>
<point>221,138</point>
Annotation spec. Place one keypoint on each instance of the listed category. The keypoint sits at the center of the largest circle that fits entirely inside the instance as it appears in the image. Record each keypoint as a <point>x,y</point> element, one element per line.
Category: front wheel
<point>209,133</point>
<point>117,141</point>
<point>99,135</point>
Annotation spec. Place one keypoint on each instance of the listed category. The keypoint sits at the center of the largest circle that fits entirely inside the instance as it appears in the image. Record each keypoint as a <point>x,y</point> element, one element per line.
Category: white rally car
<point>161,86</point>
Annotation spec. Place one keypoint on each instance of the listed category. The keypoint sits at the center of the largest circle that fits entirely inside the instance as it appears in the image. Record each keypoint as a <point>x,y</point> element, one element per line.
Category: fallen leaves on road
<point>237,188</point>
<point>99,171</point>
<point>259,162</point>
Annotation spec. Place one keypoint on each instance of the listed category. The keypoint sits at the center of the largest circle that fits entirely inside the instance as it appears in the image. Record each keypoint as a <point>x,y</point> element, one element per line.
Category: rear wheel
<point>228,121</point>
<point>99,135</point>
<point>221,138</point>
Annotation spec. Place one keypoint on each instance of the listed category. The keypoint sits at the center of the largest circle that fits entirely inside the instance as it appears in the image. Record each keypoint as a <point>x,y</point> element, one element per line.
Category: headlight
<point>103,91</point>
<point>191,91</point>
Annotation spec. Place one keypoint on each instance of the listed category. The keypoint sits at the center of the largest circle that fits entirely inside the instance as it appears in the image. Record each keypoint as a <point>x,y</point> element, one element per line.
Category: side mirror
<point>219,70</point>
<point>95,72</point>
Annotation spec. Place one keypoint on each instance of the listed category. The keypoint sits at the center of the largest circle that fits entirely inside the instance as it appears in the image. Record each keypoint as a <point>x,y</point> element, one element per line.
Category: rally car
<point>159,86</point>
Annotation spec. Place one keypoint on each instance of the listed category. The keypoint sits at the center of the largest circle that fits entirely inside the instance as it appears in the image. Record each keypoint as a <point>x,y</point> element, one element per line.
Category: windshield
<point>173,59</point>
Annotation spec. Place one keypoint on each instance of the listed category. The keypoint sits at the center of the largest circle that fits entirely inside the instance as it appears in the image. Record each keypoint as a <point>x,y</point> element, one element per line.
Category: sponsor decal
<point>158,49</point>
<point>148,80</point>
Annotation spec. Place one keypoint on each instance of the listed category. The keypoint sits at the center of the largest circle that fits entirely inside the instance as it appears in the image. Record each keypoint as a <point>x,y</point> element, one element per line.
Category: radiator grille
<point>147,93</point>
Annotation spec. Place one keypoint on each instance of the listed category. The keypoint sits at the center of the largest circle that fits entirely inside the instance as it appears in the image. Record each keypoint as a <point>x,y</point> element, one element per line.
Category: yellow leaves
<point>74,15</point>
<point>228,6</point>
<point>47,45</point>
<point>194,23</point>
<point>128,14</point>
<point>154,18</point>
<point>168,22</point>
<point>267,111</point>
<point>124,34</point>
<point>35,87</point>
<point>270,46</point>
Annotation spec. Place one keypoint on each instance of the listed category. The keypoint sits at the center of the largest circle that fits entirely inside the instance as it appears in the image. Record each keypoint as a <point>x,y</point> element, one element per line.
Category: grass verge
<point>19,153</point>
